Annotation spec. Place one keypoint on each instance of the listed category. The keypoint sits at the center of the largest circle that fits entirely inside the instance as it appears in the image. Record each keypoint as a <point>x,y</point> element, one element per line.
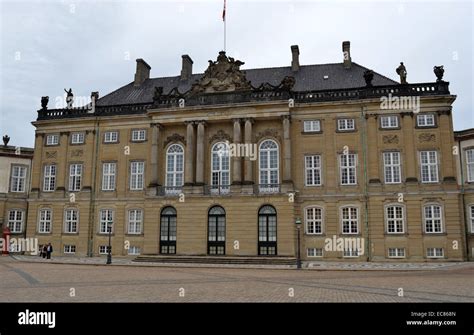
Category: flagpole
<point>224,35</point>
<point>223,19</point>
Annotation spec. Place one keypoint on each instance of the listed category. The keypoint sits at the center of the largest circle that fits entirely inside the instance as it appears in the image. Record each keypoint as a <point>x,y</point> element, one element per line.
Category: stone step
<point>277,260</point>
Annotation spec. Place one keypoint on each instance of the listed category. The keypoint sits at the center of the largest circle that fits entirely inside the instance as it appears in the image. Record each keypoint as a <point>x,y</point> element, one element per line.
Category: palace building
<point>229,161</point>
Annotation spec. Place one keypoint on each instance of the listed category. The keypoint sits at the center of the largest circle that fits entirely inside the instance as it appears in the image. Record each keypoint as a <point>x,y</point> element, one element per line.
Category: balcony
<point>267,188</point>
<point>216,190</point>
<point>169,191</point>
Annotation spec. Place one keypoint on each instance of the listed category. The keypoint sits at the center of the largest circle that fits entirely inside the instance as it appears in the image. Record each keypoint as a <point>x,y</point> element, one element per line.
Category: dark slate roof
<point>308,78</point>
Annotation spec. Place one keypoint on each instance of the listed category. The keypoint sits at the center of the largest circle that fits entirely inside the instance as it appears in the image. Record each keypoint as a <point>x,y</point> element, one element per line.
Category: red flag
<point>223,12</point>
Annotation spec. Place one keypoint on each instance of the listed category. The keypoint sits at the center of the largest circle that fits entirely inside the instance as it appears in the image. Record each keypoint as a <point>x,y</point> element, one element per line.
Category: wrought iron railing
<point>266,188</point>
<point>169,190</point>
<point>216,189</point>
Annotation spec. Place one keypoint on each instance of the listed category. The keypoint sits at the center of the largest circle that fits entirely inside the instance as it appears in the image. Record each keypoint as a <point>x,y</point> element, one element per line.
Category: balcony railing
<point>169,191</point>
<point>216,189</point>
<point>266,188</point>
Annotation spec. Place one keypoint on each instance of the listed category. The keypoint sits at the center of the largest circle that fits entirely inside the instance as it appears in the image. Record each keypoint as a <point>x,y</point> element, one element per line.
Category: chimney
<point>295,58</point>
<point>186,68</point>
<point>346,51</point>
<point>142,73</point>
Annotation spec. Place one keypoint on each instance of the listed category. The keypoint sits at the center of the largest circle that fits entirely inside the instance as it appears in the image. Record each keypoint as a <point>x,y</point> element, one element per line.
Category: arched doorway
<point>216,231</point>
<point>267,230</point>
<point>168,231</point>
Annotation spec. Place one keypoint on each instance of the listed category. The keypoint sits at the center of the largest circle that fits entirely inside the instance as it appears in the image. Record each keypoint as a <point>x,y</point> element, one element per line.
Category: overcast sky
<point>47,46</point>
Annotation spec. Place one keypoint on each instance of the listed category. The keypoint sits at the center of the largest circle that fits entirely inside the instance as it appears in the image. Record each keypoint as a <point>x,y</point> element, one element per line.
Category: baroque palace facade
<point>226,162</point>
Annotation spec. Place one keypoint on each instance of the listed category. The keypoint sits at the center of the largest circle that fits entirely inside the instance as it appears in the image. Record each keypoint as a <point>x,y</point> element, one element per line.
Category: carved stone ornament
<point>270,132</point>
<point>427,137</point>
<point>223,75</point>
<point>51,154</point>
<point>174,138</point>
<point>220,136</point>
<point>390,139</point>
<point>77,153</point>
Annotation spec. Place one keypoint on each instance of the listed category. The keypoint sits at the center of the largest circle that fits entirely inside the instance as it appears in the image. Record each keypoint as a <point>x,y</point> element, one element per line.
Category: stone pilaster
<point>248,163</point>
<point>189,158</point>
<point>37,167</point>
<point>62,172</point>
<point>200,153</point>
<point>447,142</point>
<point>287,177</point>
<point>372,152</point>
<point>236,160</point>
<point>409,145</point>
<point>155,136</point>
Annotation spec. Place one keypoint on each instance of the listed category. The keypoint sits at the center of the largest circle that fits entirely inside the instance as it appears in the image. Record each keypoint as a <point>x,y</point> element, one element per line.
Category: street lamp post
<point>109,251</point>
<point>298,251</point>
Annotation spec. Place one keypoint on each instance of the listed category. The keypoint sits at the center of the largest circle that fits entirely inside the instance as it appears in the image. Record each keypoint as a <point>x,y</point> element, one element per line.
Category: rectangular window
<point>70,221</point>
<point>315,252</point>
<point>111,137</point>
<point>18,178</point>
<point>347,169</point>
<point>435,252</point>
<point>77,138</point>
<point>133,250</point>
<point>471,217</point>
<point>310,126</point>
<point>138,135</point>
<point>350,220</point>
<point>75,177</point>
<point>396,252</point>
<point>470,165</point>
<point>69,249</point>
<point>425,120</point>
<point>314,220</point>
<point>108,176</point>
<point>433,219</point>
<point>313,170</point>
<point>106,221</point>
<point>429,166</point>
<point>345,124</point>
<point>391,161</point>
<point>390,121</point>
<point>395,219</point>
<point>135,221</point>
<point>49,183</point>
<point>104,249</point>
<point>136,175</point>
<point>351,253</point>
<point>15,221</point>
<point>44,223</point>
<point>52,139</point>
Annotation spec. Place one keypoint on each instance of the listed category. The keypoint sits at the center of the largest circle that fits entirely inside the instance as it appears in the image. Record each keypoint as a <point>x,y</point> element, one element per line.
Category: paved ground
<point>24,281</point>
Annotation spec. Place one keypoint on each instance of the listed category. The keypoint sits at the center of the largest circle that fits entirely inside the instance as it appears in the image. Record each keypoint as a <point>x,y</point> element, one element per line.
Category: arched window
<point>220,168</point>
<point>267,230</point>
<point>174,168</point>
<point>168,231</point>
<point>269,166</point>
<point>216,231</point>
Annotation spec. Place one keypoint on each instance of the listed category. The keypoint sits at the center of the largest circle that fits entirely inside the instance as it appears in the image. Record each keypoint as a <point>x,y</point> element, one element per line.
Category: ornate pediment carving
<point>220,136</point>
<point>389,139</point>
<point>269,132</point>
<point>174,138</point>
<point>223,75</point>
<point>427,137</point>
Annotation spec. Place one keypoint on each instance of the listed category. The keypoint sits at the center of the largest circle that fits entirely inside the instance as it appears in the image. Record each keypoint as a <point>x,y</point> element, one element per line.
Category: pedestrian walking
<point>49,250</point>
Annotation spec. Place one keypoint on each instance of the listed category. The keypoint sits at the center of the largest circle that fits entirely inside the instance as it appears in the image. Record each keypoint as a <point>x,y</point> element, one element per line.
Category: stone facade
<point>349,202</point>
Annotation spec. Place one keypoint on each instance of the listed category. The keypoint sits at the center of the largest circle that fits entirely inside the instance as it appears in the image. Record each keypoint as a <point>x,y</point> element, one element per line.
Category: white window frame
<point>106,216</point>
<point>392,170</point>
<point>103,249</point>
<point>436,252</point>
<point>15,221</point>
<point>138,135</point>
<point>45,224</point>
<point>135,221</point>
<point>137,175</point>
<point>422,120</point>
<point>111,136</point>
<point>349,220</point>
<point>18,178</point>
<point>69,249</point>
<point>396,219</point>
<point>315,252</point>
<point>52,139</point>
<point>346,124</point>
<point>313,170</point>
<point>471,217</point>
<point>350,253</point>
<point>49,178</point>
<point>397,252</point>
<point>71,221</point>
<point>109,170</point>
<point>312,224</point>
<point>312,126</point>
<point>174,171</point>
<point>75,177</point>
<point>265,173</point>
<point>77,138</point>
<point>134,250</point>
<point>220,175</point>
<point>347,168</point>
<point>470,164</point>
<point>388,121</point>
<point>430,167</point>
<point>433,218</point>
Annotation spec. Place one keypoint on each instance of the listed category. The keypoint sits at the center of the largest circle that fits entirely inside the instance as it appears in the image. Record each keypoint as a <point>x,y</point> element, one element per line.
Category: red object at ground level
<point>6,240</point>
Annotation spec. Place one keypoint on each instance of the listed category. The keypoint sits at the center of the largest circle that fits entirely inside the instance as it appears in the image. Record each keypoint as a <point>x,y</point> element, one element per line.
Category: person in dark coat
<point>49,250</point>
<point>45,247</point>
